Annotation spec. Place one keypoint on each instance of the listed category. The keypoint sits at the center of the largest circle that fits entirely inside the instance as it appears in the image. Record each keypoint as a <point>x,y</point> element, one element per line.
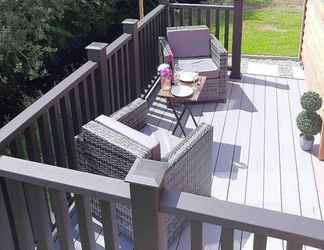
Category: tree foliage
<point>41,41</point>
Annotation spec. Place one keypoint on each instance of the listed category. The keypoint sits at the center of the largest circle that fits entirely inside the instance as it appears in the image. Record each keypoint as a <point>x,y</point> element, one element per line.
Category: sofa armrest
<point>165,50</point>
<point>134,114</point>
<point>218,53</point>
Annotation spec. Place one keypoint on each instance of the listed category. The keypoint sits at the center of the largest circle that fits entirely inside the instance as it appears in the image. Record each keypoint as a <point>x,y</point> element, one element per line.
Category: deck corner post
<point>130,26</point>
<point>97,52</point>
<point>167,10</point>
<point>237,39</point>
<point>149,225</point>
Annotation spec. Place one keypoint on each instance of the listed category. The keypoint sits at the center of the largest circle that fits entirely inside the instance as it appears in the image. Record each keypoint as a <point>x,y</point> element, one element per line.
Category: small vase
<point>165,83</point>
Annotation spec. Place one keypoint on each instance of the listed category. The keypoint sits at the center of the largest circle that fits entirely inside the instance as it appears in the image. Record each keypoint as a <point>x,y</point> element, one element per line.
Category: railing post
<point>130,27</point>
<point>97,53</point>
<point>150,229</point>
<point>167,9</point>
<point>237,39</point>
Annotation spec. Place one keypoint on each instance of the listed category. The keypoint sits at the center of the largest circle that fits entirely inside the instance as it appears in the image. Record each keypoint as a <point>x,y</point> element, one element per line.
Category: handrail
<point>25,118</point>
<point>118,43</point>
<point>251,219</point>
<point>63,179</point>
<point>148,17</point>
<point>201,6</point>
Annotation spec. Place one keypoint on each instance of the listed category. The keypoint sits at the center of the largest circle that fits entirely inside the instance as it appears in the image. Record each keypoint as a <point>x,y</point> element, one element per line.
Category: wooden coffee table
<point>184,101</point>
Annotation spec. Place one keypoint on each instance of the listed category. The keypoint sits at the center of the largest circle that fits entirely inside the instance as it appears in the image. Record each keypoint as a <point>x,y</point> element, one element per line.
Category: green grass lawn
<point>270,27</point>
<point>271,31</point>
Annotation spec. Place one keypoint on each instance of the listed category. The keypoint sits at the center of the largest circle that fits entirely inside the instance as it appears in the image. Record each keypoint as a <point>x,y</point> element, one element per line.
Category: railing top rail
<point>26,117</point>
<point>200,6</point>
<point>148,17</point>
<point>63,179</point>
<point>118,43</point>
<point>245,218</point>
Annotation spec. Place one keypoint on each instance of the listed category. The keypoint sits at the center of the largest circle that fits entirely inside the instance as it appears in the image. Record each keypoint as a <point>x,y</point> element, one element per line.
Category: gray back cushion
<point>189,41</point>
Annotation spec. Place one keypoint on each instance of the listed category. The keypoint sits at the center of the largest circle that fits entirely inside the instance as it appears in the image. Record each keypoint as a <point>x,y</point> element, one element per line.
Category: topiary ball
<point>311,101</point>
<point>309,123</point>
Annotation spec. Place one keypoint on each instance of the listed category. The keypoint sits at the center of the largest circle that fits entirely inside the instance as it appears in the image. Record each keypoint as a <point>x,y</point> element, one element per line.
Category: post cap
<point>96,46</point>
<point>129,21</point>
<point>147,173</point>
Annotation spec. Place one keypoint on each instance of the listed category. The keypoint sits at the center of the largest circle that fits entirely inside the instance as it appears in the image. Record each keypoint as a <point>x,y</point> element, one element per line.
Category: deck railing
<point>143,192</point>
<point>44,134</point>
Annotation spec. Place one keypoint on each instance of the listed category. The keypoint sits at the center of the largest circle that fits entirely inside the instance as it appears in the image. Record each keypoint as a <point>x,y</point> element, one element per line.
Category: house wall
<point>312,48</point>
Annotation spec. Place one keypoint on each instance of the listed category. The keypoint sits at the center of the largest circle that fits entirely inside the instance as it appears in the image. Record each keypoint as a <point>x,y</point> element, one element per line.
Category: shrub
<point>311,101</point>
<point>309,123</point>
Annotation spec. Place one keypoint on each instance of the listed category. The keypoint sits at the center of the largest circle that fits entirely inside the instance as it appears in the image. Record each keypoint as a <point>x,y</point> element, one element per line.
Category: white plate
<point>188,76</point>
<point>181,91</point>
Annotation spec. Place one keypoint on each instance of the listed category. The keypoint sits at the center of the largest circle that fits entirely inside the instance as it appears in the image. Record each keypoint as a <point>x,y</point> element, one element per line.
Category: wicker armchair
<point>195,49</point>
<point>105,151</point>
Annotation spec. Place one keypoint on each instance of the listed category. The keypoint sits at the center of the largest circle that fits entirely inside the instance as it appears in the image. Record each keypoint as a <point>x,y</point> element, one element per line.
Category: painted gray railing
<point>142,190</point>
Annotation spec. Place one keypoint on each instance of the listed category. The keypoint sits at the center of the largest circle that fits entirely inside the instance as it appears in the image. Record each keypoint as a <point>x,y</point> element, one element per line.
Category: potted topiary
<point>308,121</point>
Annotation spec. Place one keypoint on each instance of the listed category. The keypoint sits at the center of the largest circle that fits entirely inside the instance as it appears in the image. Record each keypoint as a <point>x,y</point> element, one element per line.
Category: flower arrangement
<point>165,73</point>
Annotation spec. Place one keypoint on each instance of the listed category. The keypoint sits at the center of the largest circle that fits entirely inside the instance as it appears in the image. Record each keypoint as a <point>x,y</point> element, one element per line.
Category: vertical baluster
<point>85,222</point>
<point>123,76</point>
<point>94,94</point>
<point>84,98</point>
<point>58,135</point>
<point>36,199</point>
<point>20,215</point>
<point>208,18</point>
<point>190,10</point>
<point>7,238</point>
<point>150,52</point>
<point>226,27</point>
<point>196,235</point>
<point>65,106</point>
<point>199,16</point>
<point>57,198</point>
<point>111,84</point>
<point>217,23</point>
<point>129,85</point>
<point>227,238</point>
<point>108,211</point>
<point>117,80</point>
<point>76,111</point>
<point>294,244</point>
<point>171,16</point>
<point>181,17</point>
<point>260,242</point>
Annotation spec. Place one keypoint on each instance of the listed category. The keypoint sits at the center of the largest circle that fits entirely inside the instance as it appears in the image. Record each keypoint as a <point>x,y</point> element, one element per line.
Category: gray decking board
<point>256,154</point>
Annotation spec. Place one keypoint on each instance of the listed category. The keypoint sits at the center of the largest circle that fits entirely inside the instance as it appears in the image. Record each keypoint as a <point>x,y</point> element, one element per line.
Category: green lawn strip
<point>268,31</point>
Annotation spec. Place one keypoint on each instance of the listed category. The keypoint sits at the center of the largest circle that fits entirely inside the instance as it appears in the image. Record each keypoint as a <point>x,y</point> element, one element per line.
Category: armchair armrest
<point>218,53</point>
<point>190,163</point>
<point>165,50</point>
<point>134,114</point>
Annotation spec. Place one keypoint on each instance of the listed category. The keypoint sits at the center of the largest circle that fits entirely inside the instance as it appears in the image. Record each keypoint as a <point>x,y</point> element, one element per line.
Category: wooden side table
<point>184,101</point>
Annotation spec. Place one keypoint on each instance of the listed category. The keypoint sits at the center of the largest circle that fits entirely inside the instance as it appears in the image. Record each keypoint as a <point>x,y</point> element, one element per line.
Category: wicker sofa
<point>104,148</point>
<point>195,49</point>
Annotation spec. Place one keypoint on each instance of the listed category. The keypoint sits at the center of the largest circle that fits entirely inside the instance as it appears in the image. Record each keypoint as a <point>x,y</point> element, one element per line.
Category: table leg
<point>178,119</point>
<point>193,118</point>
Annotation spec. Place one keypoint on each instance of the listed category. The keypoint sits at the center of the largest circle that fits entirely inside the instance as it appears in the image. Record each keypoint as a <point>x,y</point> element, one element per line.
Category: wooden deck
<point>256,155</point>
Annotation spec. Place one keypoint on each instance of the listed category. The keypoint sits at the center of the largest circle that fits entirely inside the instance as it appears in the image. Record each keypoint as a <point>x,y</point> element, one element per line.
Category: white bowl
<point>181,91</point>
<point>188,76</point>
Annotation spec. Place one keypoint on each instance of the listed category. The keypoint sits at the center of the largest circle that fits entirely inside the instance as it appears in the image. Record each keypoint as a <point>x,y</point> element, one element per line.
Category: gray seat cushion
<point>203,65</point>
<point>189,41</point>
<point>166,140</point>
